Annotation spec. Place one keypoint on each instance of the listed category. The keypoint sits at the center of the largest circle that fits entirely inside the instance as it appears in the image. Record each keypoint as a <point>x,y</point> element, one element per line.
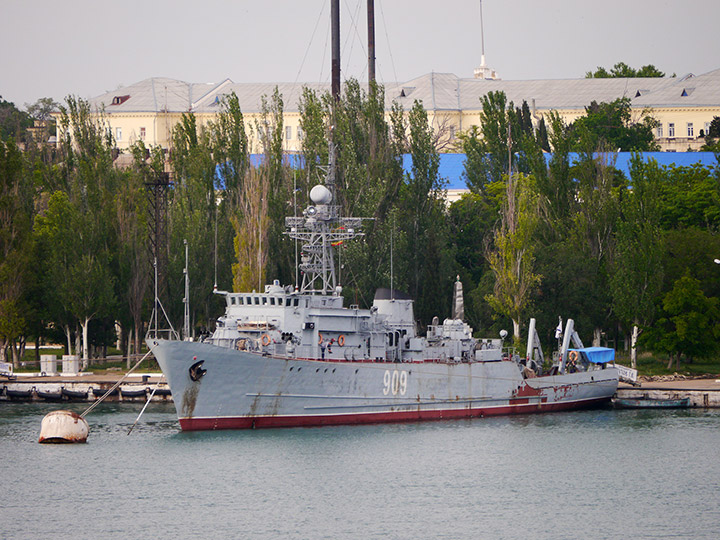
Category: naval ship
<point>298,356</point>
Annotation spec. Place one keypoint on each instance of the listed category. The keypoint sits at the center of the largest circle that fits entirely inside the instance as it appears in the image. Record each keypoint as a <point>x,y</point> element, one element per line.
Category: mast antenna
<point>186,300</point>
<point>371,41</point>
<point>483,72</point>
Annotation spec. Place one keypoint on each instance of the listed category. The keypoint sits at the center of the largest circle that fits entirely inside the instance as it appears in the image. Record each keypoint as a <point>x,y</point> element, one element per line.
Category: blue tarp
<point>598,355</point>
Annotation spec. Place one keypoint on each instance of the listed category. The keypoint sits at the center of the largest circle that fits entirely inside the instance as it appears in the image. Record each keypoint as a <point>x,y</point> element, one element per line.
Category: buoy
<point>63,427</point>
<point>70,427</point>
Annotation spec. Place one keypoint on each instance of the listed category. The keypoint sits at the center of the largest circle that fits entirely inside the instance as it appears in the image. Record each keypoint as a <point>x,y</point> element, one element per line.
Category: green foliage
<point>611,126</point>
<point>611,251</point>
<point>512,257</point>
<point>424,268</point>
<point>691,198</point>
<point>621,69</point>
<point>16,271</point>
<point>689,324</point>
<point>194,215</point>
<point>714,130</point>
<point>637,273</point>
<point>13,122</point>
<point>41,109</point>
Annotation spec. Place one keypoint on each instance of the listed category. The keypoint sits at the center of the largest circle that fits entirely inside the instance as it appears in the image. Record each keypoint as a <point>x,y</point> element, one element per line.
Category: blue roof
<point>452,166</point>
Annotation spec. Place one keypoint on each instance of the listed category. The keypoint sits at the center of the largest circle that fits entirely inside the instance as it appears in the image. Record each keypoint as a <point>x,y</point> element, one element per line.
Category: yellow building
<point>149,110</point>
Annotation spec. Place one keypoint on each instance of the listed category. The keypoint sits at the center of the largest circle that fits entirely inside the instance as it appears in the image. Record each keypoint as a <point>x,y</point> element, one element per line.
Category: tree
<point>691,198</point>
<point>688,324</point>
<point>512,255</point>
<point>712,137</point>
<point>78,231</point>
<point>487,146</point>
<point>42,109</point>
<point>195,216</point>
<point>621,69</point>
<point>276,255</point>
<point>610,125</point>
<point>425,268</point>
<point>636,279</point>
<point>133,233</point>
<point>13,122</point>
<point>16,216</point>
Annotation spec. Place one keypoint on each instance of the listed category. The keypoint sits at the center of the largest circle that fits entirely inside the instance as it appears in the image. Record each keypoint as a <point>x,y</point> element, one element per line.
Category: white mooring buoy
<point>63,427</point>
<point>69,427</point>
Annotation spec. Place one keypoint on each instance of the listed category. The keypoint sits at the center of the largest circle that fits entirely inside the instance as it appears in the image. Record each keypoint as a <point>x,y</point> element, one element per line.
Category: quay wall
<point>699,397</point>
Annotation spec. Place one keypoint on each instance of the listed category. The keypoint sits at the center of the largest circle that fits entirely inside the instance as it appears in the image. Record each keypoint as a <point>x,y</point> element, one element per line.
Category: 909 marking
<point>395,382</point>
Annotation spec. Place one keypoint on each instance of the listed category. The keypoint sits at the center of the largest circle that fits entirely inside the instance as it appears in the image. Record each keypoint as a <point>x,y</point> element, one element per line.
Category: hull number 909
<point>395,382</point>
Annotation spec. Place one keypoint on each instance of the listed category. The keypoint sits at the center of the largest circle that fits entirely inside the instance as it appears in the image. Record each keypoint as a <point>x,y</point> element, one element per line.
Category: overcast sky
<point>83,47</point>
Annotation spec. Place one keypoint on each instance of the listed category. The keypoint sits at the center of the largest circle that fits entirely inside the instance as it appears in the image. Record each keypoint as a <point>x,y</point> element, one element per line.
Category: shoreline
<point>702,392</point>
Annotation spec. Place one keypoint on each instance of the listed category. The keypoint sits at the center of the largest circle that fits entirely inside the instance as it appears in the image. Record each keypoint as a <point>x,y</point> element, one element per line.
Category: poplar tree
<point>637,272</point>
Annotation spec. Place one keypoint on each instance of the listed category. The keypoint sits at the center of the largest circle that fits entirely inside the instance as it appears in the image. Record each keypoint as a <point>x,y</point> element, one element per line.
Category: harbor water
<point>592,474</point>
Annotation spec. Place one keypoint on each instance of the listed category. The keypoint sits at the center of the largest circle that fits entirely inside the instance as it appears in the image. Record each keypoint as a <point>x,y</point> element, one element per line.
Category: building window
<point>671,129</point>
<point>288,132</point>
<point>691,129</point>
<point>659,131</point>
<point>300,133</point>
<point>142,133</point>
<point>452,133</point>
<point>707,128</point>
<point>118,134</point>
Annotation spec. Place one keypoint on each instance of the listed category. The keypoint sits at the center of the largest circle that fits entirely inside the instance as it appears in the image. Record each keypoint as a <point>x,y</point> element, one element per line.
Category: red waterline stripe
<point>244,422</point>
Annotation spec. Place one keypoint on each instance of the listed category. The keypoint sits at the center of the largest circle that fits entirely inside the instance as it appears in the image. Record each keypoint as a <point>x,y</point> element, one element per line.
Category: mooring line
<point>97,401</point>
<point>143,409</point>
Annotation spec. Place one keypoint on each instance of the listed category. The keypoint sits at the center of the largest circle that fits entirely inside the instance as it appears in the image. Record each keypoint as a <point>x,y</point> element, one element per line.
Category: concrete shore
<point>702,392</point>
<point>138,386</point>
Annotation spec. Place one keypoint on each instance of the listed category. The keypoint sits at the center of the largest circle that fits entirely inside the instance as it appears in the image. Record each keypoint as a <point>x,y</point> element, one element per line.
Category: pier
<point>83,387</point>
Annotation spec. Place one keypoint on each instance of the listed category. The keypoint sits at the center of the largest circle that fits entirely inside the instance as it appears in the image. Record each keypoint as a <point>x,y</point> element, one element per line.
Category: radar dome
<point>320,195</point>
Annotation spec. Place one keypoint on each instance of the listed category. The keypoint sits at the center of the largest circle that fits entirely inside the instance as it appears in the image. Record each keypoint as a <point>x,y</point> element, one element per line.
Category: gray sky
<point>83,47</point>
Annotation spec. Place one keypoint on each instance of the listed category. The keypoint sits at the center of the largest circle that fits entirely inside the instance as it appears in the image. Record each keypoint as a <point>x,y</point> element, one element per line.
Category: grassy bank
<point>113,363</point>
<point>651,365</point>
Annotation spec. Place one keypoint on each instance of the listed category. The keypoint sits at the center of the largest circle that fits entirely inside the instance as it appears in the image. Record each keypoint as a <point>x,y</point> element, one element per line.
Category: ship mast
<point>321,229</point>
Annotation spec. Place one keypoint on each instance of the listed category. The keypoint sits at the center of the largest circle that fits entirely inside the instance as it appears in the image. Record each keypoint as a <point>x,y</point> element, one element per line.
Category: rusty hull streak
<point>189,399</point>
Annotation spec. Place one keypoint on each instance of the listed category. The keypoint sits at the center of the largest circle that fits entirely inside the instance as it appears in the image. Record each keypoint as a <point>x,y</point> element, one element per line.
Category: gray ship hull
<point>223,388</point>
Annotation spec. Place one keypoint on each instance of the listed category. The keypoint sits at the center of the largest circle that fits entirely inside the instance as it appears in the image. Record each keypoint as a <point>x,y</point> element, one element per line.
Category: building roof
<point>688,91</point>
<point>437,91</point>
<point>442,91</point>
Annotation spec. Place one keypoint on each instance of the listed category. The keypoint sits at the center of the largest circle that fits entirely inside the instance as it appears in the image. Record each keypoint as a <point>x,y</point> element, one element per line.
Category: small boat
<point>99,392</point>
<point>74,394</point>
<point>163,392</point>
<point>19,394</point>
<point>133,393</point>
<point>50,396</point>
<point>650,403</point>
